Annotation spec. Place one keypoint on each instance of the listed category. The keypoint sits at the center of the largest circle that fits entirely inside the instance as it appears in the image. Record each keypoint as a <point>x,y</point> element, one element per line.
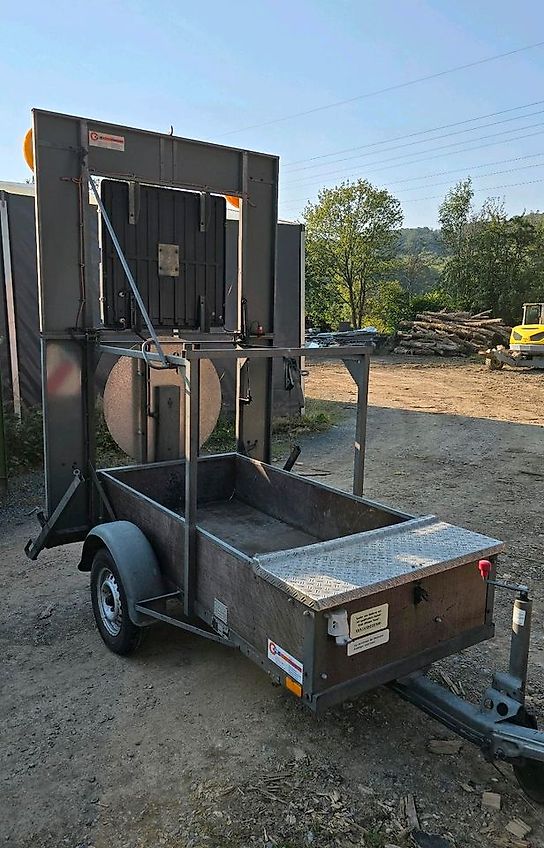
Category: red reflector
<point>484,567</point>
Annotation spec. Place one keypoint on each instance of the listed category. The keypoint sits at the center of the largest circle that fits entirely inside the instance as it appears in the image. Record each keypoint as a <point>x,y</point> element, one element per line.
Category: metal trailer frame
<point>68,152</point>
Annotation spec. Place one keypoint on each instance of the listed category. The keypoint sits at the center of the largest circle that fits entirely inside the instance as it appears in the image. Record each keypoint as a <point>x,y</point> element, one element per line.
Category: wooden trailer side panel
<point>319,510</point>
<point>420,616</point>
<point>256,610</point>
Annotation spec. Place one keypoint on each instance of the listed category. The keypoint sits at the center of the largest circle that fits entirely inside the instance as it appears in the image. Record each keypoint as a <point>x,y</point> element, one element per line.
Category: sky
<point>240,73</point>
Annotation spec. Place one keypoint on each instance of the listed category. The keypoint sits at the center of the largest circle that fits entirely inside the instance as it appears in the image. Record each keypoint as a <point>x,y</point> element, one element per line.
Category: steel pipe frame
<point>356,360</point>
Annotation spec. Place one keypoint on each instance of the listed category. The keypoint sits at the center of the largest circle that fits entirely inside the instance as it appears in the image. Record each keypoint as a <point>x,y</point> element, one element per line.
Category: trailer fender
<point>135,560</point>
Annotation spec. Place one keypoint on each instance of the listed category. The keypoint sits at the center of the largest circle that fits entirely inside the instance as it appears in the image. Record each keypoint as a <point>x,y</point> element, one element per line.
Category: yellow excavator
<point>526,348</point>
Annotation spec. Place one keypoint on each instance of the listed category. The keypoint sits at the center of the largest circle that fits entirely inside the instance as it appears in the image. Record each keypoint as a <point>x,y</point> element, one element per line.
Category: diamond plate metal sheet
<point>343,567</point>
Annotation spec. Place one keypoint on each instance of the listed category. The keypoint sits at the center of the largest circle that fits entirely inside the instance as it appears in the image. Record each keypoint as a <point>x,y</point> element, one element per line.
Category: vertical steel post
<point>362,375</point>
<point>3,456</point>
<point>521,635</point>
<point>10,304</point>
<point>192,443</point>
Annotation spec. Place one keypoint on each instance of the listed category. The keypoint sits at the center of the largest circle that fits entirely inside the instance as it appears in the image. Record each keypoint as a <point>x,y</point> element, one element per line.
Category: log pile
<point>450,334</point>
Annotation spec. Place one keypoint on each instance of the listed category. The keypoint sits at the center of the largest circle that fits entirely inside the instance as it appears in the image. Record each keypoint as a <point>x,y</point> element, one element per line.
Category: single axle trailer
<point>331,593</point>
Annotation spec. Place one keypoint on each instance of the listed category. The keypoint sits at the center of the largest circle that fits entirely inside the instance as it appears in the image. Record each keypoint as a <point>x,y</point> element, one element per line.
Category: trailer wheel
<point>530,773</point>
<point>110,606</point>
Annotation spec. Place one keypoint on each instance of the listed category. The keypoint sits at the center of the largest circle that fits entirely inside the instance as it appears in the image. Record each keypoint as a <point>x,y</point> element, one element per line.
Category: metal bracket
<point>101,493</point>
<point>203,223</point>
<point>33,548</point>
<point>133,202</point>
<point>337,626</point>
<point>144,608</point>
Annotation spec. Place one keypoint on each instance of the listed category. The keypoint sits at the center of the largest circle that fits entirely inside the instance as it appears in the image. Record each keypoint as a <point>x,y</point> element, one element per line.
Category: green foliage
<point>494,262</point>
<point>223,437</point>
<point>389,306</point>
<point>431,301</point>
<point>350,238</point>
<point>24,439</point>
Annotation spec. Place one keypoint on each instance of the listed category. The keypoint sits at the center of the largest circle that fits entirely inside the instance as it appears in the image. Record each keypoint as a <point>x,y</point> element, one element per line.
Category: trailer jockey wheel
<point>529,773</point>
<point>110,606</point>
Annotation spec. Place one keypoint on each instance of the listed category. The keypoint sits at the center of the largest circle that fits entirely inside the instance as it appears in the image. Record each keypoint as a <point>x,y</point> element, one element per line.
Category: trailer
<point>331,593</point>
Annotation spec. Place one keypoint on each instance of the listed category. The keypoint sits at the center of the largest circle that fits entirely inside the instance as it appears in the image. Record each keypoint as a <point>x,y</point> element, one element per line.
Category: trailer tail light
<point>293,686</point>
<point>484,567</point>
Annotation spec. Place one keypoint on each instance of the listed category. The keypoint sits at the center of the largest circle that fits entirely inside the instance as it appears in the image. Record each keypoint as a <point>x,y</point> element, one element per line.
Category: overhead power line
<point>466,170</point>
<point>480,176</point>
<point>388,88</point>
<point>421,140</point>
<point>476,191</point>
<point>423,153</point>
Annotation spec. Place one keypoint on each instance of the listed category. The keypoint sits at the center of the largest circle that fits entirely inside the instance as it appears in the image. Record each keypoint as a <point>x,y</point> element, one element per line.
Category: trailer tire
<point>110,606</point>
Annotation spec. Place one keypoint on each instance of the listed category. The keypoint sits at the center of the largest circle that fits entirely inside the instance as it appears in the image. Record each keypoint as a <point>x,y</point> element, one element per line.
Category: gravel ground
<point>188,744</point>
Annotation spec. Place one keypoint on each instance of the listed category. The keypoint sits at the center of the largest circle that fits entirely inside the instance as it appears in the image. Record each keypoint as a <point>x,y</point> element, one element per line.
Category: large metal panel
<point>66,149</point>
<point>190,222</point>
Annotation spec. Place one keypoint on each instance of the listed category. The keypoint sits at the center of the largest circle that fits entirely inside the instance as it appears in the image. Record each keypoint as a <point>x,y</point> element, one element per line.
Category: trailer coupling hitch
<point>500,725</point>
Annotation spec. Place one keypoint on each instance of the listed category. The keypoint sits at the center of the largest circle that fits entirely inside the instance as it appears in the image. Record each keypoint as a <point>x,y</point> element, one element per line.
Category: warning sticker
<point>368,621</point>
<point>112,142</point>
<point>368,642</point>
<point>519,617</point>
<point>289,664</point>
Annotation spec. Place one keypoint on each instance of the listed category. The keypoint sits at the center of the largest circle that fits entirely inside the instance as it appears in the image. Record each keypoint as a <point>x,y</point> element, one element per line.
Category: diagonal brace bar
<point>128,273</point>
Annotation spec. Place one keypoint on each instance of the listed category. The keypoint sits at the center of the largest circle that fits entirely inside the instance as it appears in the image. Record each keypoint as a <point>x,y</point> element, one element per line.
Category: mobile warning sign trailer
<point>331,593</point>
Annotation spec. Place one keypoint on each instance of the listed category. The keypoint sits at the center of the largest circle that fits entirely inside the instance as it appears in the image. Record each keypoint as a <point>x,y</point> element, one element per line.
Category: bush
<point>431,301</point>
<point>24,439</point>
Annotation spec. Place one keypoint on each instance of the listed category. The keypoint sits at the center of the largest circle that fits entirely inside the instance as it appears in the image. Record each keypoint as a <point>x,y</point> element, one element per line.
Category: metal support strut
<point>128,273</point>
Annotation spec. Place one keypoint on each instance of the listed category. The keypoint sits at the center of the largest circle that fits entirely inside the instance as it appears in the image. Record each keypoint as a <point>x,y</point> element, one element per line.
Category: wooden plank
<point>165,482</point>
<point>318,510</point>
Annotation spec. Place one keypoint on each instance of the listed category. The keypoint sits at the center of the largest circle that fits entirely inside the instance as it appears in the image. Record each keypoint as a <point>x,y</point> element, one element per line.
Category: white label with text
<point>368,621</point>
<point>519,617</point>
<point>368,642</point>
<point>112,142</point>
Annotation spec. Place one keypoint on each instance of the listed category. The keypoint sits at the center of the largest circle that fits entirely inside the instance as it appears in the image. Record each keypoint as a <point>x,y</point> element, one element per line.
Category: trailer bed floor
<point>250,530</point>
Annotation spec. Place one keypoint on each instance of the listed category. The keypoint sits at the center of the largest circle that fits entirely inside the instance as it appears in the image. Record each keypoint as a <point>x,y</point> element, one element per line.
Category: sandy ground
<point>188,744</point>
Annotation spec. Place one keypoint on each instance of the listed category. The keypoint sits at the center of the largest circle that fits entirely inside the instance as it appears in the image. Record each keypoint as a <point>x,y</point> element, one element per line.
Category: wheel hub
<point>109,602</point>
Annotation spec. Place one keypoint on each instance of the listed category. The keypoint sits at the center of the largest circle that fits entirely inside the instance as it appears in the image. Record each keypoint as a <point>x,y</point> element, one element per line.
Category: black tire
<point>110,606</point>
<point>530,773</point>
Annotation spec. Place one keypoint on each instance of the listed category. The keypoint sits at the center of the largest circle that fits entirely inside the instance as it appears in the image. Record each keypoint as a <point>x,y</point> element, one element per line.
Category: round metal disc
<point>124,406</point>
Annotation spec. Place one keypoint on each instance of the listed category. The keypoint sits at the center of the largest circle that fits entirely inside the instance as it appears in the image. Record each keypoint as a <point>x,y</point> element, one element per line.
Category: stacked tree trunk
<point>450,334</point>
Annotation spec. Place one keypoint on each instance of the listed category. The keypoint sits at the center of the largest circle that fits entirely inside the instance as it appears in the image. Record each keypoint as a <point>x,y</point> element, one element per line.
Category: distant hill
<point>417,240</point>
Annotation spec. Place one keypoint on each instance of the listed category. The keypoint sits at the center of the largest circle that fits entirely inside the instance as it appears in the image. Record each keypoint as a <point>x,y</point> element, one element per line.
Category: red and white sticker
<point>112,142</point>
<point>288,663</point>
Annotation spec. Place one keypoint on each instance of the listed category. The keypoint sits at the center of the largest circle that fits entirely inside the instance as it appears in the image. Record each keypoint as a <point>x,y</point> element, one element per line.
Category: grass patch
<point>319,416</point>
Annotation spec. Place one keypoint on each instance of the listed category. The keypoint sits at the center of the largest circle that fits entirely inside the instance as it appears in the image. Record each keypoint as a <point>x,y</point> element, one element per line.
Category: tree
<point>456,232</point>
<point>494,262</point>
<point>350,235</point>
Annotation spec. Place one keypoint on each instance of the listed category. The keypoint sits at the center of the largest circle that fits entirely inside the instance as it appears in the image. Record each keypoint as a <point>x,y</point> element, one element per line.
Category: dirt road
<point>188,744</point>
